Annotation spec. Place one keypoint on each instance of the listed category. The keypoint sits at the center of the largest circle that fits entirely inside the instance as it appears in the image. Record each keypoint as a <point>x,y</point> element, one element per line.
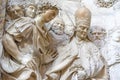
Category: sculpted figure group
<point>25,44</point>
<point>31,51</point>
<point>80,59</point>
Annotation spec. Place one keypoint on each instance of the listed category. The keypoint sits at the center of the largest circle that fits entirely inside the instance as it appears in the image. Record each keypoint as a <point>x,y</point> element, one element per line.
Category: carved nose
<point>96,35</point>
<point>85,30</point>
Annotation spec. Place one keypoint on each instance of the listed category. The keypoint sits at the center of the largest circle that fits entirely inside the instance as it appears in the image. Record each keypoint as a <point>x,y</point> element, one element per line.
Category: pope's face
<point>82,32</point>
<point>31,11</point>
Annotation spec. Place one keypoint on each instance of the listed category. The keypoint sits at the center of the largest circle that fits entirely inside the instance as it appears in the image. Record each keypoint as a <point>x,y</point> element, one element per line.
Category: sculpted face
<point>98,35</point>
<point>82,32</point>
<point>49,15</point>
<point>15,11</point>
<point>58,27</point>
<point>18,11</point>
<point>31,11</point>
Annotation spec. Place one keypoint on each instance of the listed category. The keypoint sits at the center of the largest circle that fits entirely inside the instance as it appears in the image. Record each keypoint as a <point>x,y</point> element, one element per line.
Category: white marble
<point>56,39</point>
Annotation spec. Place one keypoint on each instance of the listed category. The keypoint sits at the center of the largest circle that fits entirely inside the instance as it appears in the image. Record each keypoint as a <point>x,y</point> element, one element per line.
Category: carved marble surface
<point>2,15</point>
<point>59,39</point>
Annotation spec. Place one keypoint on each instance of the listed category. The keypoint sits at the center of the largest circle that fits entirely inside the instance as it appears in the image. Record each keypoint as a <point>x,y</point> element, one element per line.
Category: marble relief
<point>59,40</point>
<point>98,35</point>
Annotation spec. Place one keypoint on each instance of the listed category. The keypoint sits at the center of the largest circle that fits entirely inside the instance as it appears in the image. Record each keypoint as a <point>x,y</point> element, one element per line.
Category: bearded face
<point>15,11</point>
<point>97,35</point>
<point>58,27</point>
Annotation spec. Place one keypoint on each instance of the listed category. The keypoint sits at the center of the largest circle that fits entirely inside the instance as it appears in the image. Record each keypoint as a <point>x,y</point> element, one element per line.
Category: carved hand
<point>49,56</point>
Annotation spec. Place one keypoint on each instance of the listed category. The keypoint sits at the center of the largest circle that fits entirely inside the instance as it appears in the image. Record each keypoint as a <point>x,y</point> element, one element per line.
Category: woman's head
<point>49,15</point>
<point>48,12</point>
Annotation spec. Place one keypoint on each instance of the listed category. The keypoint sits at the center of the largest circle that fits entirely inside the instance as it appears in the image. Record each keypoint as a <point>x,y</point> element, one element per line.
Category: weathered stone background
<point>2,15</point>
